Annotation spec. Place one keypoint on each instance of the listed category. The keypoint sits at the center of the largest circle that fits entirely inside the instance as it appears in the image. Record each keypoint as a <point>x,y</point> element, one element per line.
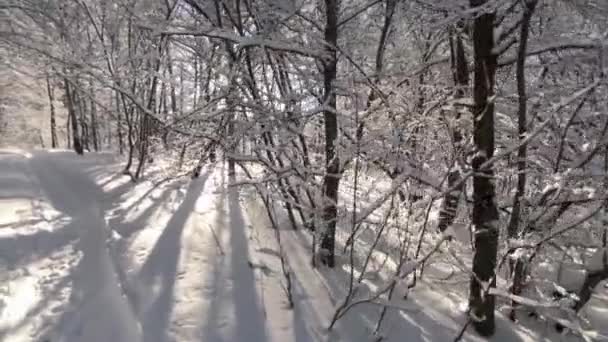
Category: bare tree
<point>485,212</point>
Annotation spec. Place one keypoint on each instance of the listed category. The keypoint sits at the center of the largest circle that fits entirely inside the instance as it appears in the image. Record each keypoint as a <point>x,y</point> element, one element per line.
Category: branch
<point>553,48</point>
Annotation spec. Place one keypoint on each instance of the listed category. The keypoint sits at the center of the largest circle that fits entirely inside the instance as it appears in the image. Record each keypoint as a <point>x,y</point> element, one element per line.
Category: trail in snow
<point>182,260</point>
<point>101,312</point>
<point>191,278</point>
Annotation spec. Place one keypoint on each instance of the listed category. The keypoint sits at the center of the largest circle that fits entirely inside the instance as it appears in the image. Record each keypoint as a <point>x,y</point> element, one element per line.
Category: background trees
<point>309,97</point>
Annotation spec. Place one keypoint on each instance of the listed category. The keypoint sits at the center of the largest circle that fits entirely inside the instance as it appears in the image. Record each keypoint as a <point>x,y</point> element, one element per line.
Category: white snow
<point>597,260</point>
<point>87,255</point>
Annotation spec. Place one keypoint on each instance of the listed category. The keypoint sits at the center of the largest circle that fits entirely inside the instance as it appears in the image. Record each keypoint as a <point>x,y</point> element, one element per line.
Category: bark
<point>230,133</point>
<point>84,129</point>
<point>93,115</point>
<point>49,89</point>
<point>517,266</point>
<point>72,115</point>
<point>388,18</point>
<point>146,121</point>
<point>331,180</point>
<point>67,132</point>
<point>231,115</point>
<point>460,70</point>
<point>485,213</point>
<point>129,110</point>
<point>119,125</point>
<point>129,113</point>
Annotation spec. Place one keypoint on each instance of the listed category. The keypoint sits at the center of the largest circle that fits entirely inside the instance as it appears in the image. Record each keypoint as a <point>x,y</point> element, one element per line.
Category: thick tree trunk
<point>331,181</point>
<point>485,213</point>
<point>74,121</point>
<point>49,89</point>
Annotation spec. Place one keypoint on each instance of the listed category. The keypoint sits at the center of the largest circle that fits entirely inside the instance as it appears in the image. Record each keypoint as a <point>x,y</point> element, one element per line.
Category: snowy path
<point>102,312</point>
<point>176,266</point>
<point>191,276</point>
<point>90,256</point>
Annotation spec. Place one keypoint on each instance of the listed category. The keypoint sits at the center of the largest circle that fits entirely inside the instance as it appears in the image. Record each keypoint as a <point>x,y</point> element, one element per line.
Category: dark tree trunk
<point>230,133</point>
<point>49,89</point>
<point>517,266</point>
<point>67,132</point>
<point>93,114</point>
<point>119,125</point>
<point>485,213</point>
<point>460,70</point>
<point>72,114</point>
<point>130,110</point>
<point>84,129</point>
<point>129,114</point>
<point>331,180</point>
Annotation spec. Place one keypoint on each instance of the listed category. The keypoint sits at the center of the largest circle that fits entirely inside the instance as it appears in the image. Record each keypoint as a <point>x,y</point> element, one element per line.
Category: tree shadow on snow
<point>215,289</point>
<point>127,228</point>
<point>159,271</point>
<point>428,320</point>
<point>23,249</point>
<point>233,285</point>
<point>50,294</point>
<point>250,322</point>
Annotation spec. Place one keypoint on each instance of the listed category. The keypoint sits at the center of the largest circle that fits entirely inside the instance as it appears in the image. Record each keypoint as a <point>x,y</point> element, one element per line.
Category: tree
<point>52,112</point>
<point>513,232</point>
<point>331,180</point>
<point>69,99</point>
<point>485,213</point>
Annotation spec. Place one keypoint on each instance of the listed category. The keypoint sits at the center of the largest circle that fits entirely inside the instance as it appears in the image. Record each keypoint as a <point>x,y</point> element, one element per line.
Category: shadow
<point>17,224</point>
<point>23,249</point>
<point>14,183</point>
<point>113,197</point>
<point>304,317</point>
<point>128,228</point>
<point>110,179</point>
<point>59,189</point>
<point>160,268</point>
<point>175,184</point>
<point>48,296</point>
<point>249,317</point>
<point>427,318</point>
<point>216,291</point>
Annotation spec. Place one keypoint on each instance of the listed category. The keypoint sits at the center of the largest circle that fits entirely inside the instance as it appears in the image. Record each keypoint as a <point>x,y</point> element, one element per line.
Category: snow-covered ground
<point>87,255</point>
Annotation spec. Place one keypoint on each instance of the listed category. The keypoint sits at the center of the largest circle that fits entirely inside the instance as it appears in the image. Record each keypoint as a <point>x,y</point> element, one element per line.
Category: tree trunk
<point>119,125</point>
<point>460,70</point>
<point>485,213</point>
<point>52,107</point>
<point>84,129</point>
<point>129,118</point>
<point>68,139</point>
<point>93,114</point>
<point>72,114</point>
<point>230,133</point>
<point>331,180</point>
<point>516,265</point>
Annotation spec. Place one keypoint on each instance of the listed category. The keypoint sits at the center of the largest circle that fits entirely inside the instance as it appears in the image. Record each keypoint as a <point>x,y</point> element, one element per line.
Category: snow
<point>597,260</point>
<point>87,255</point>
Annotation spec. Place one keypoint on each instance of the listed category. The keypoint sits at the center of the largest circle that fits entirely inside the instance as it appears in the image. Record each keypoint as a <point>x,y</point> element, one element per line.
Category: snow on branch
<point>574,45</point>
<point>242,42</point>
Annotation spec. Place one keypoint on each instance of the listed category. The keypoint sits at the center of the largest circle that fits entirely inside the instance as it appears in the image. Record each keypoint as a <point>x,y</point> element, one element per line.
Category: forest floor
<point>88,255</point>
